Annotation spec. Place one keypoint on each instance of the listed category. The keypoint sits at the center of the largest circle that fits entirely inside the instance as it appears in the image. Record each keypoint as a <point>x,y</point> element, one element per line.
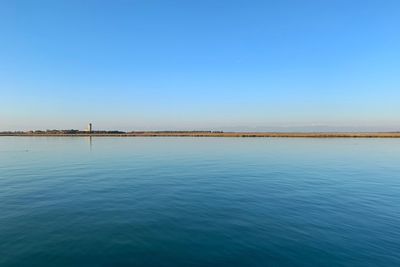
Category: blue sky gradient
<point>181,65</point>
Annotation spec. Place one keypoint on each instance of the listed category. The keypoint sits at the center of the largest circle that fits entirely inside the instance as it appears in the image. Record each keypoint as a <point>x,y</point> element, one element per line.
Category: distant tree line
<point>55,131</point>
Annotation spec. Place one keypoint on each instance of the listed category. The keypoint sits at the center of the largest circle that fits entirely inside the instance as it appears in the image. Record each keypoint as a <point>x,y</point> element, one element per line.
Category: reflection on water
<point>90,143</point>
<point>199,202</point>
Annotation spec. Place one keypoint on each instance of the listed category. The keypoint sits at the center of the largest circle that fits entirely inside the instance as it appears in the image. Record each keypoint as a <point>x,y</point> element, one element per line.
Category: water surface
<point>170,201</point>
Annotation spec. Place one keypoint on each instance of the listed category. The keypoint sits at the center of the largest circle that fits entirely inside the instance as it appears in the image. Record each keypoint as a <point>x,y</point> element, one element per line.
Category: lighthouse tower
<point>89,128</point>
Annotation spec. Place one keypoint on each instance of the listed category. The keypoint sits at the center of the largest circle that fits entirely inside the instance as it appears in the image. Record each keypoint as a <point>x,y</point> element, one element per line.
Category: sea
<point>205,201</point>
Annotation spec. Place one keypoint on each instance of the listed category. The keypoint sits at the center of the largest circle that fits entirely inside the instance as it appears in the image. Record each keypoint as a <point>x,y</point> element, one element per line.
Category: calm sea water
<point>199,202</point>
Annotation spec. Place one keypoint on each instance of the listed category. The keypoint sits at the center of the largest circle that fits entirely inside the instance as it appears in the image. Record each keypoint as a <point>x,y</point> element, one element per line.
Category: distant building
<point>89,128</point>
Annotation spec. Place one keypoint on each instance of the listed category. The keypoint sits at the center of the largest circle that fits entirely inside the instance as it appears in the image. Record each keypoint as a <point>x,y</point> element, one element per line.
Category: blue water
<point>199,202</point>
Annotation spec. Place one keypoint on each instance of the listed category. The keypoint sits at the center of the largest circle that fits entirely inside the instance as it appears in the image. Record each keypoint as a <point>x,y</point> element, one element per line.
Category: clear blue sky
<point>207,64</point>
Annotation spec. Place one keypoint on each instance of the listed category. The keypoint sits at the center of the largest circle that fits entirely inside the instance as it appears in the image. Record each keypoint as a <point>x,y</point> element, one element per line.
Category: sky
<point>271,65</point>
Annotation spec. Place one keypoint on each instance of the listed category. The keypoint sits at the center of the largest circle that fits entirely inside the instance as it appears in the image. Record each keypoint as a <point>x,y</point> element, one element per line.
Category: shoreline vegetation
<point>77,133</point>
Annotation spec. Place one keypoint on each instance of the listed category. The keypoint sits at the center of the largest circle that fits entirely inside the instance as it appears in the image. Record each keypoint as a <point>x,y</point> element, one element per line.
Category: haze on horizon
<point>200,65</point>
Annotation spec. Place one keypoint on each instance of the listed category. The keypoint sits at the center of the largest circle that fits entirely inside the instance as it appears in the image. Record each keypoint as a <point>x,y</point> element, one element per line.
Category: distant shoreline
<point>220,134</point>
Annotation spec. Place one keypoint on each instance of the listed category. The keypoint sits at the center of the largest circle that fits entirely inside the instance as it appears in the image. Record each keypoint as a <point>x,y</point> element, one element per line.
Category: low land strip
<point>216,134</point>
